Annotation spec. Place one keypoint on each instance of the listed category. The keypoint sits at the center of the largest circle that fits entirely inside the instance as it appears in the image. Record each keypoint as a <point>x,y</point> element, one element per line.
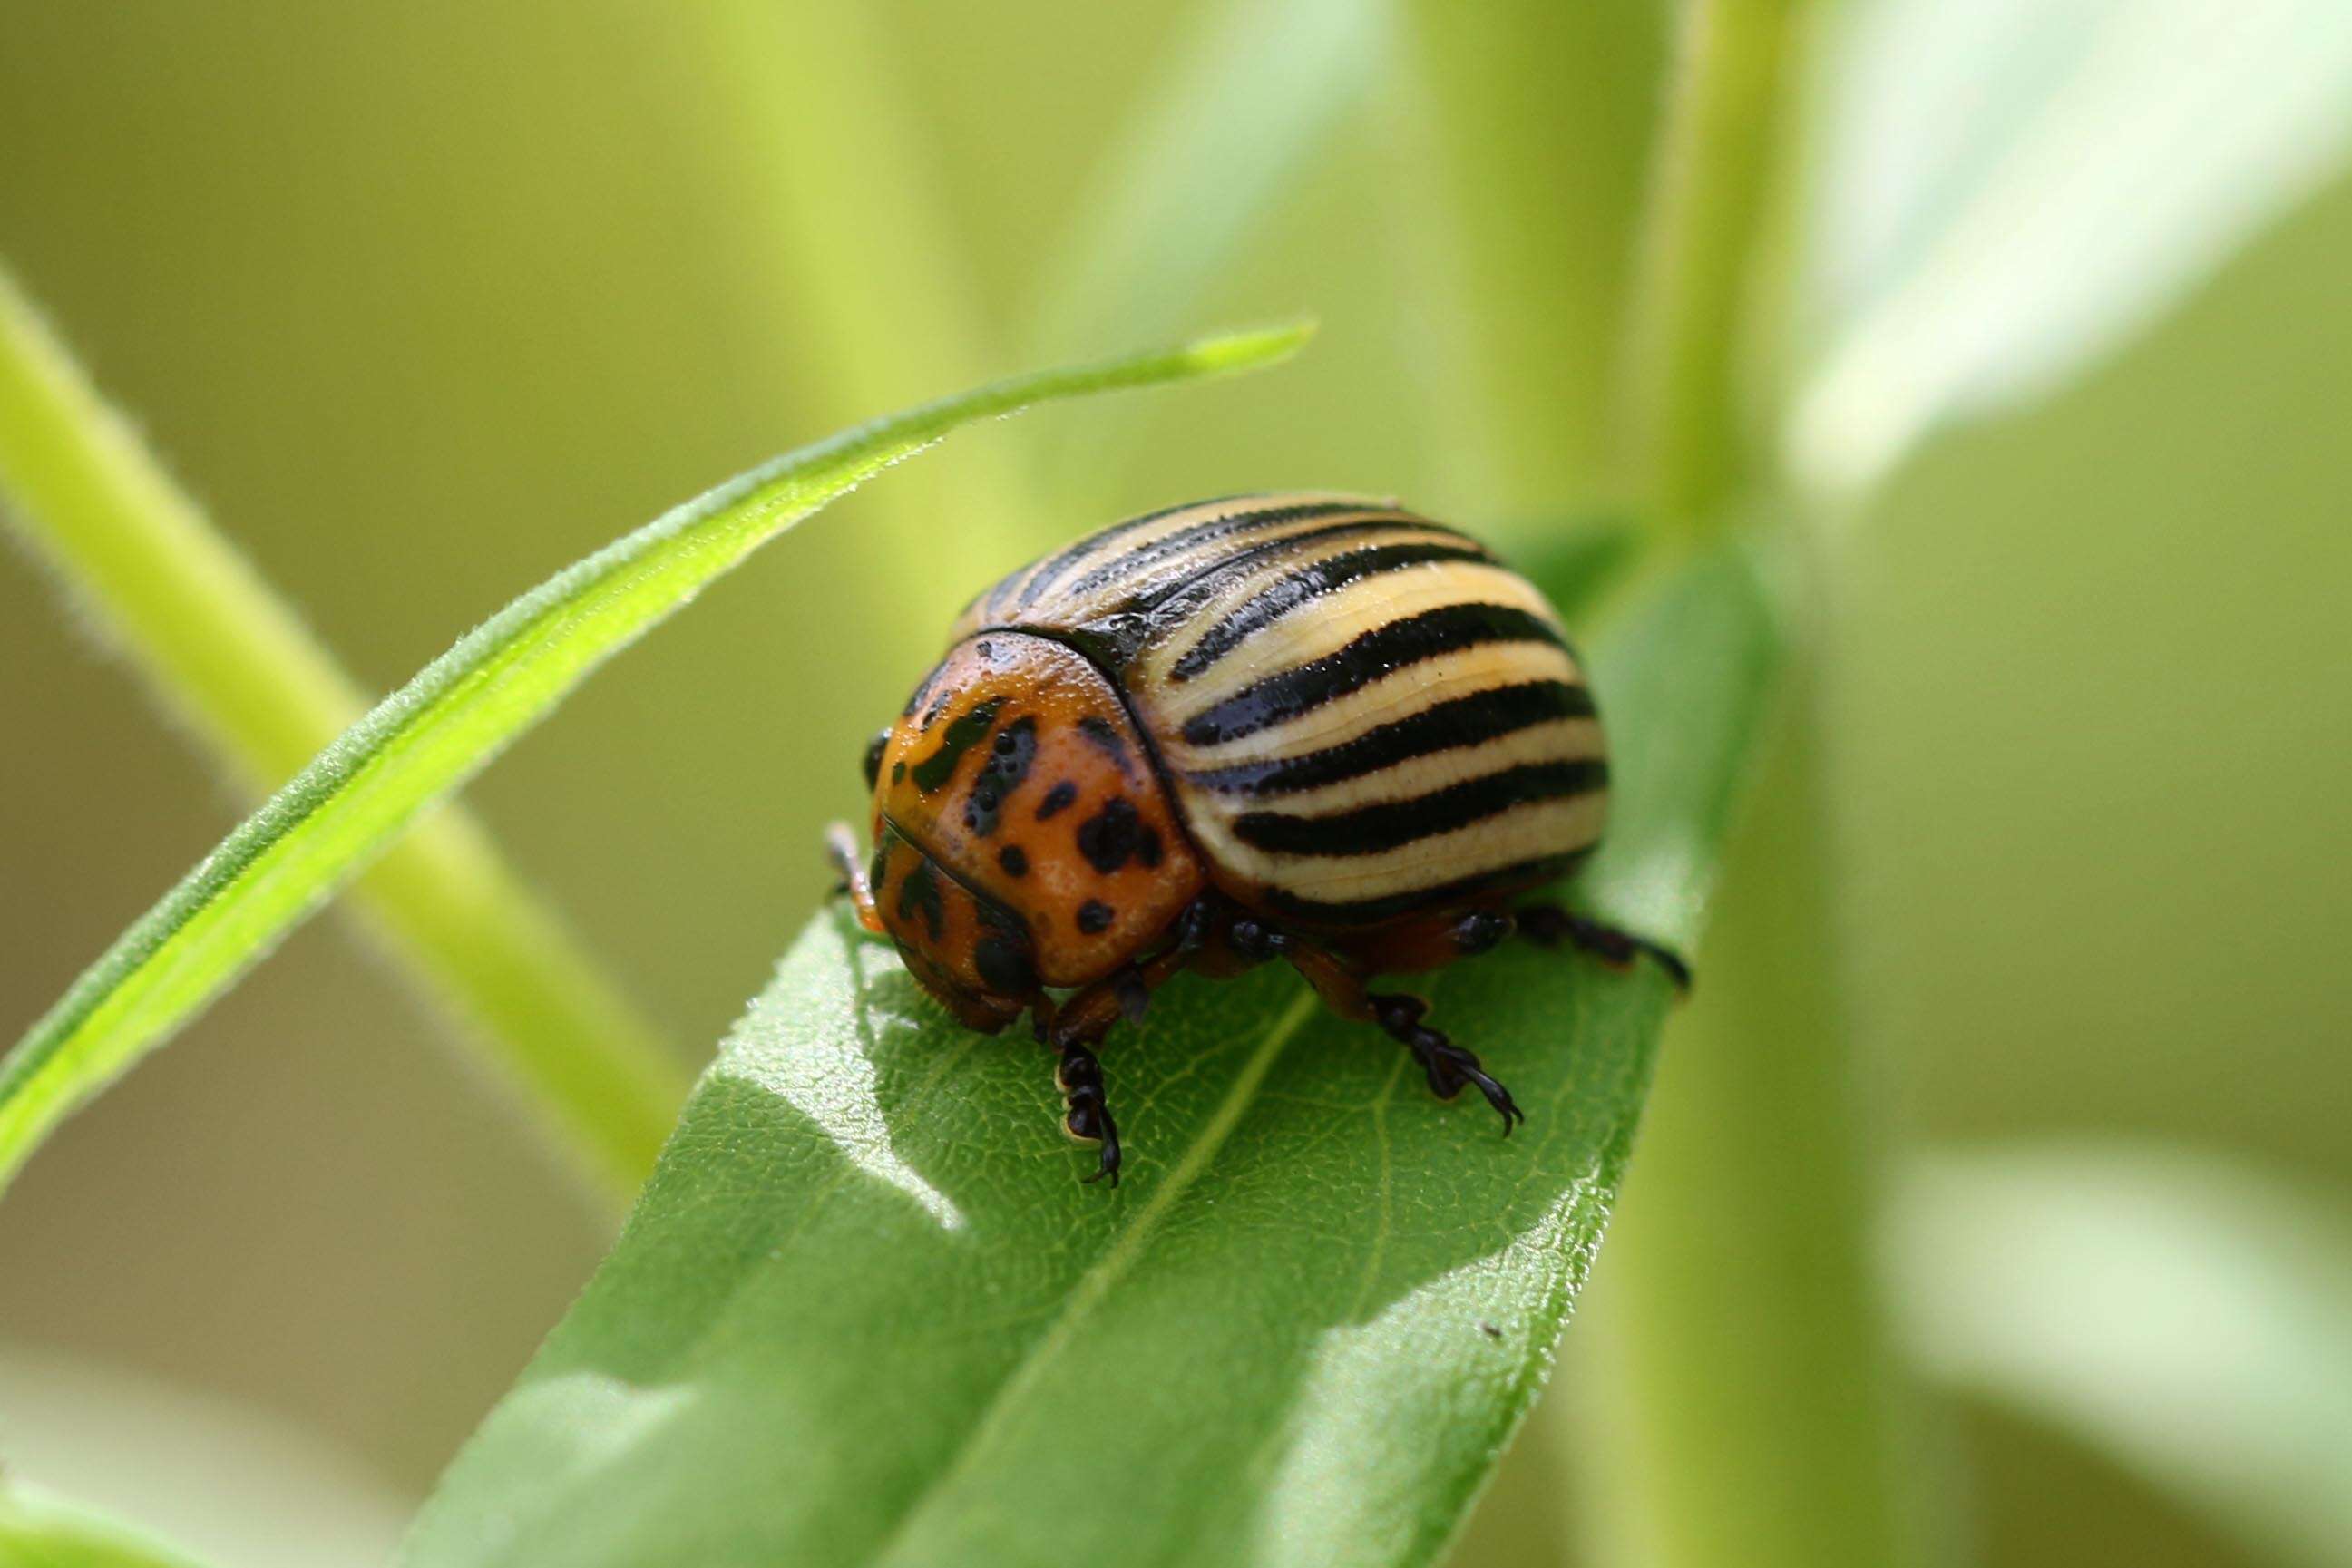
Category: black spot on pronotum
<point>1014,861</point>
<point>1060,798</point>
<point>964,732</point>
<point>1105,736</point>
<point>1146,847</point>
<point>1008,764</point>
<point>898,771</point>
<point>1094,916</point>
<point>1112,836</point>
<point>919,894</point>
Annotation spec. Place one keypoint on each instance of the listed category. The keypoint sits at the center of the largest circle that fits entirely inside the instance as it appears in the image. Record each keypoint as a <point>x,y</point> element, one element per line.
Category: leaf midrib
<point>1105,1272</point>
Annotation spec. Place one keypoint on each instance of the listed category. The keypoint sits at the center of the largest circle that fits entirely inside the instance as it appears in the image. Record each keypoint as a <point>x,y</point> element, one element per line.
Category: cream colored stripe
<point>1109,550</point>
<point>1530,832</point>
<point>1340,617</point>
<point>1398,694</point>
<point>1560,740</point>
<point>1156,660</point>
<point>1098,551</point>
<point>1070,607</point>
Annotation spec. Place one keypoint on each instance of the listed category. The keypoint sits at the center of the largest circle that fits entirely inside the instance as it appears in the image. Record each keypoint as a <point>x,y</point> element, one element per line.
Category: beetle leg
<point>1088,1117</point>
<point>1446,1066</point>
<point>1076,1026</point>
<point>1548,926</point>
<point>841,848</point>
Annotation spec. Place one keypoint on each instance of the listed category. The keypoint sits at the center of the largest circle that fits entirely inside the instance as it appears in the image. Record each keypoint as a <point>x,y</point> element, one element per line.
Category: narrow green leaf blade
<point>435,733</point>
<point>225,653</point>
<point>865,1313</point>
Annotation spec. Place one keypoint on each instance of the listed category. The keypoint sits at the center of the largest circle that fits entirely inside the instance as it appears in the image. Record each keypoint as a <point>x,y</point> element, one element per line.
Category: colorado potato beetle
<point>1311,726</point>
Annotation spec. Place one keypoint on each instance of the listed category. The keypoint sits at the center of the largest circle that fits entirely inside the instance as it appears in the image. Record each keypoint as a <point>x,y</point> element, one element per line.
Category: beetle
<point>1308,726</point>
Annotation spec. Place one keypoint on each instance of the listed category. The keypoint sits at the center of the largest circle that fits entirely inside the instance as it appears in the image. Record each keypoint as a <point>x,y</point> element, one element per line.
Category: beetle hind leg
<point>1550,926</point>
<point>1446,1065</point>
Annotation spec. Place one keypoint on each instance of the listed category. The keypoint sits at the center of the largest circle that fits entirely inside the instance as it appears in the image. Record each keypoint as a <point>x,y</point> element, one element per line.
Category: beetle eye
<point>873,749</point>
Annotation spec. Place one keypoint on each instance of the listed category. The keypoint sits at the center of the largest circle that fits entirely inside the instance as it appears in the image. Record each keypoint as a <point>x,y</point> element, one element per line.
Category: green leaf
<point>1578,563</point>
<point>435,733</point>
<point>38,1531</point>
<point>2188,1317</point>
<point>866,1313</point>
<point>2009,189</point>
<point>225,653</point>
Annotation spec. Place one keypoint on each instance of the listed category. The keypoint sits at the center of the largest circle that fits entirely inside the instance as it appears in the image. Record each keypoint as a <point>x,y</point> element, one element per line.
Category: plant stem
<point>224,655</point>
<point>1749,1410</point>
<point>1706,215</point>
<point>1531,186</point>
<point>1756,1415</point>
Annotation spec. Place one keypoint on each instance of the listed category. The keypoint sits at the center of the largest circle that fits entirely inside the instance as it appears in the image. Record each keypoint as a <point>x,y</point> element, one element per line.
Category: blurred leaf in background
<point>2170,1308</point>
<point>2009,189</point>
<point>482,292</point>
<point>38,1530</point>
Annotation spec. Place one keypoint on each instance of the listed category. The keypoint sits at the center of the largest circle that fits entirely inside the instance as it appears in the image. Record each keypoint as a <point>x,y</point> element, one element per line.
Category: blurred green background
<point>426,301</point>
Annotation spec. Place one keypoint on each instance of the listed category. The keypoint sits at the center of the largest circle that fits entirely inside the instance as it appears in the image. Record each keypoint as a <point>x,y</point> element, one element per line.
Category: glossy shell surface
<point>1018,770</point>
<point>1360,713</point>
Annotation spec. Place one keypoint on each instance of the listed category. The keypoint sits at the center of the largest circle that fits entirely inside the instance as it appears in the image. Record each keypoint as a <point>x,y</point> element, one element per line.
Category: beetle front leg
<point>1086,1114</point>
<point>1446,1065</point>
<point>841,848</point>
<point>1077,1025</point>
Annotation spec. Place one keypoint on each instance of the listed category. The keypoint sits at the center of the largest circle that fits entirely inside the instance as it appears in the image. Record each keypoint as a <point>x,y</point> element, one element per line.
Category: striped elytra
<point>1362,713</point>
<point>1313,727</point>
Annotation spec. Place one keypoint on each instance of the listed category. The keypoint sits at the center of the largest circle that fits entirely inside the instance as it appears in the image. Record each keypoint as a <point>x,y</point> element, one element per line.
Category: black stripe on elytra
<point>1110,641</point>
<point>1310,581</point>
<point>1372,911</point>
<point>1393,824</point>
<point>1374,654</point>
<point>1171,603</point>
<point>1053,566</point>
<point>1463,721</point>
<point>1143,557</point>
<point>963,732</point>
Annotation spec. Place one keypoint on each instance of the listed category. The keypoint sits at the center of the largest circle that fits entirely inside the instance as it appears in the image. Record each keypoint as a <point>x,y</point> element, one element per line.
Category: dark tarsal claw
<point>1548,926</point>
<point>1079,1077</point>
<point>1108,1164</point>
<point>1446,1066</point>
